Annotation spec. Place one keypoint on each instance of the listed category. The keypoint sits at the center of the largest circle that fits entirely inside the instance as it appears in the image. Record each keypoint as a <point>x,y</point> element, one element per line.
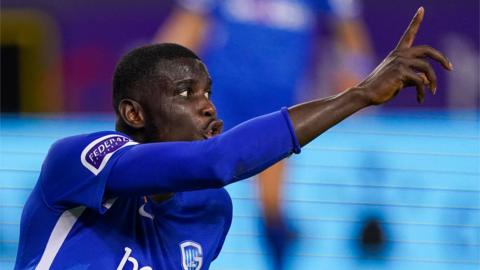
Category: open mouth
<point>213,129</point>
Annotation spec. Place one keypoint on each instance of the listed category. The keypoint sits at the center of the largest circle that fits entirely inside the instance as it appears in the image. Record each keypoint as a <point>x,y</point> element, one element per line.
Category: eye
<point>207,94</point>
<point>184,93</point>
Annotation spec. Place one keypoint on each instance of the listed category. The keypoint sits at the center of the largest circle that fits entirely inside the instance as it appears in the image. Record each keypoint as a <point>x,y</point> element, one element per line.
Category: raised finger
<point>425,50</point>
<point>413,79</point>
<point>408,36</point>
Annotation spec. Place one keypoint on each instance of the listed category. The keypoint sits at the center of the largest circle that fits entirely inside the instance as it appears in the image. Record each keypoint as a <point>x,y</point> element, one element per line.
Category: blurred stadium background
<point>396,187</point>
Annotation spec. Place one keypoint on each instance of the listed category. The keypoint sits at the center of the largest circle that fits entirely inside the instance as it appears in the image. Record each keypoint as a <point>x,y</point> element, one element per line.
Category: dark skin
<point>179,109</point>
<point>183,111</point>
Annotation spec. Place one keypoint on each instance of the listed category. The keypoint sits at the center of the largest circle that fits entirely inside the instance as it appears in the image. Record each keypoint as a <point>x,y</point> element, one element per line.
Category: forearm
<point>312,118</point>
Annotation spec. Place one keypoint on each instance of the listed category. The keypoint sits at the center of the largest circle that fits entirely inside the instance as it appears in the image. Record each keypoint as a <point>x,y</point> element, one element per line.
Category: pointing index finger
<point>409,35</point>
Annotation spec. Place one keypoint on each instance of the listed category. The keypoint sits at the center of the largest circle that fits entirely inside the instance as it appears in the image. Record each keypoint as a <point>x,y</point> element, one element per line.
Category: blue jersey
<point>90,209</point>
<point>258,51</point>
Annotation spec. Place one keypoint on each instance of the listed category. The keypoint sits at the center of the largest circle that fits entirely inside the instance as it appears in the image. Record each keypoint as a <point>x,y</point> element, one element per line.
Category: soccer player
<point>150,196</point>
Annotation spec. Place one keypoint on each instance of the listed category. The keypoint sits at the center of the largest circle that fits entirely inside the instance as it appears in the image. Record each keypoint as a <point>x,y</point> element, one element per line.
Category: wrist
<point>359,96</point>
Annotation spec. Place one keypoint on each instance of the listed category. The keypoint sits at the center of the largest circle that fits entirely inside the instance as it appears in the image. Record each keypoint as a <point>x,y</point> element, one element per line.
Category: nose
<point>208,109</point>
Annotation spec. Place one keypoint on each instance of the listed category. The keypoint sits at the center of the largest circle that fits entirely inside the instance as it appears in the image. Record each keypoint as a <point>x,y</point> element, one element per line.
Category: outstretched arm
<point>405,66</point>
<point>241,152</point>
<point>253,146</point>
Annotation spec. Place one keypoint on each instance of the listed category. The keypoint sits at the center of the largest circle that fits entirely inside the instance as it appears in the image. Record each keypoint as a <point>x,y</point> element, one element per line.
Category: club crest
<point>192,255</point>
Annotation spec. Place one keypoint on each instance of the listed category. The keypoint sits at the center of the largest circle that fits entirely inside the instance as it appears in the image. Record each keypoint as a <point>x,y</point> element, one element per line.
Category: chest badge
<point>192,255</point>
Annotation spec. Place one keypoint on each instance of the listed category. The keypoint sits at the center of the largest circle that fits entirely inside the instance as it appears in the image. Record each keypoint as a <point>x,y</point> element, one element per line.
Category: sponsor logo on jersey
<point>130,260</point>
<point>95,156</point>
<point>192,255</point>
<point>144,213</point>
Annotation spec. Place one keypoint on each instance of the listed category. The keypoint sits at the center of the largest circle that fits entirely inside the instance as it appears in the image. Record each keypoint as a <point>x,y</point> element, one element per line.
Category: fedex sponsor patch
<point>96,155</point>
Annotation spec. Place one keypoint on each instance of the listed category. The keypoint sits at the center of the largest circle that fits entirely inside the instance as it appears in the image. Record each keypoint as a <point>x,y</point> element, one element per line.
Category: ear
<point>132,113</point>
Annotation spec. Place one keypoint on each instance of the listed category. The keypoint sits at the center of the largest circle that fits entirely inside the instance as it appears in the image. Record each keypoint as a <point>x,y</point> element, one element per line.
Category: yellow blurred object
<point>36,36</point>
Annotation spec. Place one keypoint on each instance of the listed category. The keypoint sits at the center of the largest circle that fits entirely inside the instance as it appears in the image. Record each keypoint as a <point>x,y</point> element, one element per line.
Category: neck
<point>138,136</point>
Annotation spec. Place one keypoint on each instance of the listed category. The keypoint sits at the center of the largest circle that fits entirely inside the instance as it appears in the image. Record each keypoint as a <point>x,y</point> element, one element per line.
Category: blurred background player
<point>261,52</point>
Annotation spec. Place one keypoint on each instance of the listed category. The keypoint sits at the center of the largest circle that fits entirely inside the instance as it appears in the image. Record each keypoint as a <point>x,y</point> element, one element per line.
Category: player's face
<point>182,110</point>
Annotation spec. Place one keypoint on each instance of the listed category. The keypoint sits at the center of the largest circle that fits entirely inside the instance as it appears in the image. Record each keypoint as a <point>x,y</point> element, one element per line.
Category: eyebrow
<point>184,81</point>
<point>191,81</point>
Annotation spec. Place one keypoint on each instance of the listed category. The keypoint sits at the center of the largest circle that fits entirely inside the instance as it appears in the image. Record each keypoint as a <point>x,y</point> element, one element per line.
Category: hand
<point>403,67</point>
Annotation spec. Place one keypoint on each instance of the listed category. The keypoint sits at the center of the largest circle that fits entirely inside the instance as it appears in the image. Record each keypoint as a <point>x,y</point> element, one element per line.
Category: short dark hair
<point>136,69</point>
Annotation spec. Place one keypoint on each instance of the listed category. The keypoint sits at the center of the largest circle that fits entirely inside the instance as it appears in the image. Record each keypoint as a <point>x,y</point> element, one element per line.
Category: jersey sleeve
<point>239,153</point>
<point>76,170</point>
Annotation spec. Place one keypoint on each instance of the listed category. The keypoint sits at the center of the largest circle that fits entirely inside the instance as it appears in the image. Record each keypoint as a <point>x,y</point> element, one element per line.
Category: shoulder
<point>82,140</point>
<point>90,150</point>
<point>77,168</point>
